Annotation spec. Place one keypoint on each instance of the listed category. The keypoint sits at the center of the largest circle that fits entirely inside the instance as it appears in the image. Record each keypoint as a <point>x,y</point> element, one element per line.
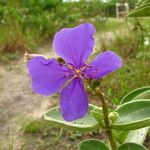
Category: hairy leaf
<point>92,144</point>
<point>87,123</point>
<point>144,95</point>
<point>131,146</point>
<point>133,115</point>
<point>137,136</point>
<point>131,95</point>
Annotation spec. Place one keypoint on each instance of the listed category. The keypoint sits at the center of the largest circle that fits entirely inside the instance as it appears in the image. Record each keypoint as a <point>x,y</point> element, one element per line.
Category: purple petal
<point>75,45</point>
<point>74,101</point>
<point>103,64</point>
<point>47,75</point>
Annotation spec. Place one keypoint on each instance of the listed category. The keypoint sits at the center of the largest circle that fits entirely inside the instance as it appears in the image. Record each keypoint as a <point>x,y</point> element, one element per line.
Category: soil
<point>18,101</point>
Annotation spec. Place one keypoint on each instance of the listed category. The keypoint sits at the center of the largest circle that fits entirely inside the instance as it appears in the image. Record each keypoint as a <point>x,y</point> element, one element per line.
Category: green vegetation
<point>42,135</point>
<point>126,42</point>
<point>24,25</point>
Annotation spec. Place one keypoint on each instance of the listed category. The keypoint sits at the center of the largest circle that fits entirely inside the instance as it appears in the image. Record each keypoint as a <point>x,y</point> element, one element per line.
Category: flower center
<point>76,72</point>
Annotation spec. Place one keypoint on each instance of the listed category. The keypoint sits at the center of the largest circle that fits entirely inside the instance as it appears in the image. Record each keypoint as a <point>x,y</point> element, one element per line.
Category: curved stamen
<point>66,83</point>
<point>78,73</point>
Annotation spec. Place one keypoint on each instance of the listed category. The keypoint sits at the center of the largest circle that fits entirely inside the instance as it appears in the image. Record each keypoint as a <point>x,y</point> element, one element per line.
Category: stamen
<point>77,73</point>
<point>66,83</point>
<point>67,74</point>
<point>70,66</point>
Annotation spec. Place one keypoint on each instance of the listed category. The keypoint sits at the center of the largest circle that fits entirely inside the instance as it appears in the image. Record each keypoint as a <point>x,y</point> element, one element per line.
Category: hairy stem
<point>106,119</point>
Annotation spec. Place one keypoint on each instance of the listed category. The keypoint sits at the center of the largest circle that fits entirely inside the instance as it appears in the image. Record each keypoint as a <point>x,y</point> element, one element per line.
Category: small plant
<point>126,126</point>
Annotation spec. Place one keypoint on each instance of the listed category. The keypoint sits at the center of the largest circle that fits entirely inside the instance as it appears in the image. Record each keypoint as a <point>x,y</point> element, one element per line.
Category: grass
<point>14,42</point>
<point>129,46</point>
<point>42,135</point>
<point>7,57</point>
<point>34,126</point>
<point>108,24</point>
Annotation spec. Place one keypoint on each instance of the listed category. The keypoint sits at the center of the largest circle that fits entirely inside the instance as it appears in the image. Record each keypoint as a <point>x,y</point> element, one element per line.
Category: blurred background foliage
<point>28,24</point>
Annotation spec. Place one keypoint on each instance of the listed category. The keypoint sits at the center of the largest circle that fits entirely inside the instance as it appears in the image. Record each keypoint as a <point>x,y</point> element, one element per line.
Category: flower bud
<point>113,116</point>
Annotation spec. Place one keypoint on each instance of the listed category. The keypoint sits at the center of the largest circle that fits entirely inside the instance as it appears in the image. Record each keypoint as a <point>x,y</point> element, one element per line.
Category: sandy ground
<point>17,100</point>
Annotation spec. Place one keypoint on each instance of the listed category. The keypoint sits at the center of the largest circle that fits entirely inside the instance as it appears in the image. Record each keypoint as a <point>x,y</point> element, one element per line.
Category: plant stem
<point>106,119</point>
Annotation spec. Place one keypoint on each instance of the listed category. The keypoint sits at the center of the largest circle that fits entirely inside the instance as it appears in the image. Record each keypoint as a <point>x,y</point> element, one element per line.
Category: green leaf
<point>142,10</point>
<point>133,115</point>
<point>144,2</point>
<point>120,136</point>
<point>137,136</point>
<point>130,96</point>
<point>131,146</point>
<point>92,144</point>
<point>97,114</point>
<point>144,95</point>
<point>87,123</point>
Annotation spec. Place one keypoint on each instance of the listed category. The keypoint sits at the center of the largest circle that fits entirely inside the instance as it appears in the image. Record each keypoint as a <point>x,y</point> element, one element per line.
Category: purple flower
<point>49,76</point>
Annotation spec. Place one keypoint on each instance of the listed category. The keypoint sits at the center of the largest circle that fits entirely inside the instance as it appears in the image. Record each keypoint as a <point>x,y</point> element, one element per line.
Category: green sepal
<point>92,144</point>
<point>87,123</point>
